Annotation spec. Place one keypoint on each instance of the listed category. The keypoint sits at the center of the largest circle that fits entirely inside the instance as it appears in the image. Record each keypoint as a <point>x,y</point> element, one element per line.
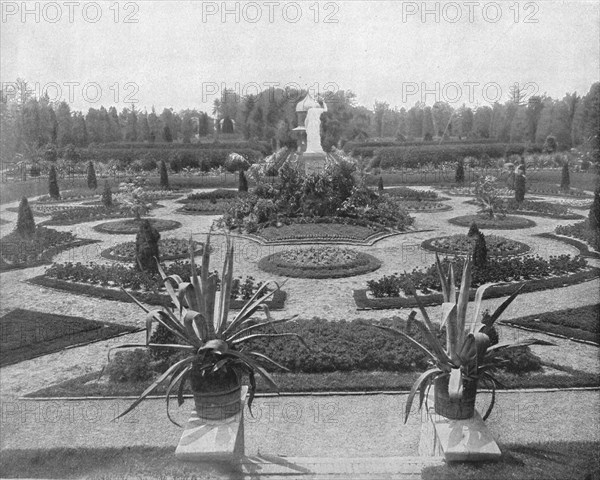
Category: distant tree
<point>550,145</point>
<point>460,172</point>
<point>227,126</point>
<point>480,248</point>
<point>164,176</point>
<point>167,134</point>
<point>243,182</point>
<point>50,154</point>
<point>520,186</point>
<point>53,189</point>
<point>565,181</point>
<point>25,222</point>
<point>92,182</point>
<point>380,186</point>
<point>107,196</point>
<point>146,247</point>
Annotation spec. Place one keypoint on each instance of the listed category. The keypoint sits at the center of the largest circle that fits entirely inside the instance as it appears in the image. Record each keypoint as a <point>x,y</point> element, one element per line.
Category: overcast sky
<point>180,54</point>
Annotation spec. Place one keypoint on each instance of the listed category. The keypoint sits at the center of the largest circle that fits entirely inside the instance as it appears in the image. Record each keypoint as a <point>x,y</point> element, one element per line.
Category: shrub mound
<point>461,244</point>
<point>170,249</point>
<point>319,262</point>
<point>132,225</point>
<point>507,222</point>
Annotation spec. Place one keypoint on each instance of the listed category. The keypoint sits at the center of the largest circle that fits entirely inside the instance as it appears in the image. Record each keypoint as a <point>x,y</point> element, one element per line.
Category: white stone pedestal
<point>213,440</point>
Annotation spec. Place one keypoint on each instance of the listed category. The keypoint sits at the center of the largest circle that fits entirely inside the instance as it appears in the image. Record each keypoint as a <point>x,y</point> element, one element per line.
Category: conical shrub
<point>92,182</point>
<point>164,176</point>
<point>53,189</point>
<point>25,222</point>
<point>380,186</point>
<point>107,200</point>
<point>520,187</point>
<point>460,173</point>
<point>243,182</point>
<point>565,180</point>
<point>146,247</point>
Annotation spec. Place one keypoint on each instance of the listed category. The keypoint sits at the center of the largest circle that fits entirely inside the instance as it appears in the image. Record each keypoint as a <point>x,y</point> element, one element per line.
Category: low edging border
<point>427,245</point>
<point>459,221</point>
<point>363,302</point>
<point>367,242</point>
<point>368,264</point>
<point>443,208</point>
<point>277,302</point>
<point>584,249</point>
<point>47,255</point>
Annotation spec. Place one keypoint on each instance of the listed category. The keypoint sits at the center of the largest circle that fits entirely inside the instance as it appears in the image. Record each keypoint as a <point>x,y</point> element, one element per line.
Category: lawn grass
<point>582,323</point>
<point>536,461</point>
<point>27,334</point>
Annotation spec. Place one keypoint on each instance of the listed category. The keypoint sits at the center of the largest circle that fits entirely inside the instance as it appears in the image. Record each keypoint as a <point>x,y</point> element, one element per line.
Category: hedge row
<point>413,157</point>
<point>263,147</point>
<point>350,146</point>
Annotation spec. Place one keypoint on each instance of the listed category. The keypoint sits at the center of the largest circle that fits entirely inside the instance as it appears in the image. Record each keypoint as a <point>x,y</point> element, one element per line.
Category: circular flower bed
<point>507,222</point>
<point>169,248</point>
<point>425,206</point>
<point>319,262</point>
<point>131,226</point>
<point>461,244</point>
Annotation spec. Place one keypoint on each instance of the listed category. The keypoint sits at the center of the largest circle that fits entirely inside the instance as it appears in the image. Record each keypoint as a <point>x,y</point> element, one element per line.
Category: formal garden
<point>191,286</point>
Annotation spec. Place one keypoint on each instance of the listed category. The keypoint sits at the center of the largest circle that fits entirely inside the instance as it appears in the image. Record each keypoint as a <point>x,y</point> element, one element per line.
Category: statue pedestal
<point>314,162</point>
<point>217,440</point>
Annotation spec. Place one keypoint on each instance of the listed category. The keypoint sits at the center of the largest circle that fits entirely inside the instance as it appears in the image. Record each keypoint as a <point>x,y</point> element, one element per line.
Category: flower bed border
<point>48,254</point>
<point>458,221</point>
<point>268,265</point>
<point>500,290</point>
<point>584,248</point>
<point>174,225</point>
<point>277,301</point>
<point>206,213</point>
<point>427,245</point>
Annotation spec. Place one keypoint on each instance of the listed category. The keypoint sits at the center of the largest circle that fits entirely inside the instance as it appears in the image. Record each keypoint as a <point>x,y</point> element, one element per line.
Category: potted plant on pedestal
<point>213,360</point>
<point>468,356</point>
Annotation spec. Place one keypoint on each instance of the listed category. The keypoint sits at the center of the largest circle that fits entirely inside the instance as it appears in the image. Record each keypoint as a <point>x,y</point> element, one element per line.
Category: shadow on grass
<point>539,461</point>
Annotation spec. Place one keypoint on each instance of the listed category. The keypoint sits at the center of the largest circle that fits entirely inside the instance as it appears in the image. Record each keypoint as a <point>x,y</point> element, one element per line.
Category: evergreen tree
<point>107,196</point>
<point>167,135</point>
<point>380,184</point>
<point>25,222</point>
<point>92,182</point>
<point>520,187</point>
<point>594,215</point>
<point>565,181</point>
<point>164,176</point>
<point>460,173</point>
<point>480,248</point>
<point>146,248</point>
<point>53,189</point>
<point>243,182</point>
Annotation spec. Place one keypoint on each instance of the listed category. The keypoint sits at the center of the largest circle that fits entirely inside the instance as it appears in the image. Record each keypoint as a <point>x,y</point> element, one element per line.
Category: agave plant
<point>468,354</point>
<point>198,318</point>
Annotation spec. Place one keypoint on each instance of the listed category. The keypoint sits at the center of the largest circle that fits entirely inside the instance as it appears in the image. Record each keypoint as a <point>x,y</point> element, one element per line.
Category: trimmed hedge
<point>584,249</point>
<point>261,146</point>
<point>414,157</point>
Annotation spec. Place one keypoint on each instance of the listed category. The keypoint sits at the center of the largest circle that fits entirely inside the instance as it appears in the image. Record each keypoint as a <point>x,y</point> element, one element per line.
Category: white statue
<point>313,128</point>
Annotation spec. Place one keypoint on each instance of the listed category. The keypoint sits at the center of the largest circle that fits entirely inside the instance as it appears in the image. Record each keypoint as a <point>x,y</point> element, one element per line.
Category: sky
<point>182,54</point>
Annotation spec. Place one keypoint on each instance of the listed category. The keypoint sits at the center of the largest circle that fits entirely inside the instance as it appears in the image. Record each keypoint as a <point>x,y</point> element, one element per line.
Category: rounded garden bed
<point>130,226</point>
<point>319,262</point>
<point>508,222</point>
<point>461,244</point>
<point>169,248</point>
<point>425,206</point>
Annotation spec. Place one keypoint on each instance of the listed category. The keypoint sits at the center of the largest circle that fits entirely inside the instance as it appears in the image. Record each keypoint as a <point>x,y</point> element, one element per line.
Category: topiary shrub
<point>380,185</point>
<point>480,248</point>
<point>459,177</point>
<point>92,182</point>
<point>53,189</point>
<point>146,247</point>
<point>520,187</point>
<point>107,196</point>
<point>25,222</point>
<point>243,182</point>
<point>565,180</point>
<point>550,145</point>
<point>594,215</point>
<point>132,366</point>
<point>164,176</point>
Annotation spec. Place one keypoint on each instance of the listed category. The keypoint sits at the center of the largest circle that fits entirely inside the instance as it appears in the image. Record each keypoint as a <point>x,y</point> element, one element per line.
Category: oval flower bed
<point>131,226</point>
<point>507,222</point>
<point>424,206</point>
<point>70,196</point>
<point>169,248</point>
<point>461,244</point>
<point>319,262</point>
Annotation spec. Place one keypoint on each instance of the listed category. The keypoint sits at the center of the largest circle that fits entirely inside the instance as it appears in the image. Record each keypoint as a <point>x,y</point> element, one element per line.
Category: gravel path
<point>331,299</point>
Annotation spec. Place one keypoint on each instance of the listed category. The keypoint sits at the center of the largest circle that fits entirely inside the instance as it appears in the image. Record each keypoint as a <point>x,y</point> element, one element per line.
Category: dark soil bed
<point>28,334</point>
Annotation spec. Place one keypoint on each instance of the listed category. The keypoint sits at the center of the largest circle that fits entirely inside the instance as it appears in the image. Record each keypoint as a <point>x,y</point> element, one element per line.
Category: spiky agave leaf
<point>455,383</point>
<point>422,381</point>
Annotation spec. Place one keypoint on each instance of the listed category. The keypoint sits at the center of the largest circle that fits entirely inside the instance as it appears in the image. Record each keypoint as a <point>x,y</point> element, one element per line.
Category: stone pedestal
<point>213,440</point>
<point>456,440</point>
<point>314,162</point>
